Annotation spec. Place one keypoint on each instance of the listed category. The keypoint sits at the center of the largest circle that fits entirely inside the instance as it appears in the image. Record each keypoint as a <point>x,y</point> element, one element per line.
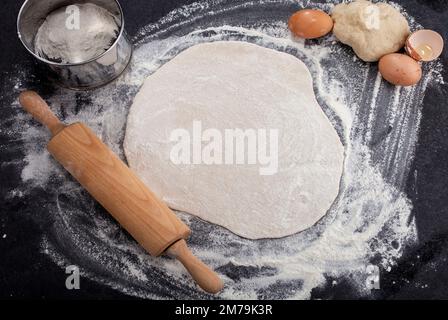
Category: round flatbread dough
<point>229,85</point>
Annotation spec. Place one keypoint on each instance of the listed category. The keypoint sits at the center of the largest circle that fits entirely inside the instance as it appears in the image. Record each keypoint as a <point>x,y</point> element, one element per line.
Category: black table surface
<point>27,273</point>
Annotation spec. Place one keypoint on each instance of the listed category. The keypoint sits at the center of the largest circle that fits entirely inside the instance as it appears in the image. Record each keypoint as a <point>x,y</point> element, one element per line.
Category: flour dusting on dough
<point>238,85</point>
<point>369,223</point>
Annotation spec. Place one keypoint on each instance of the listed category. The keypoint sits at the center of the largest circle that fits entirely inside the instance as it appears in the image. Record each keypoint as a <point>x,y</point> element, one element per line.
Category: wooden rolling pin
<point>119,191</point>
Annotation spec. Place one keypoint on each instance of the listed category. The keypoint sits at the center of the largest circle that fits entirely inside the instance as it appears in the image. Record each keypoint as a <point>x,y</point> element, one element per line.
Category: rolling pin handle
<point>204,277</point>
<point>39,109</point>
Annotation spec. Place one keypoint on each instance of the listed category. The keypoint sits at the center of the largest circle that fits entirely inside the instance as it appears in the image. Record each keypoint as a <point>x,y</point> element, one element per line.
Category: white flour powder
<point>369,222</point>
<point>63,38</point>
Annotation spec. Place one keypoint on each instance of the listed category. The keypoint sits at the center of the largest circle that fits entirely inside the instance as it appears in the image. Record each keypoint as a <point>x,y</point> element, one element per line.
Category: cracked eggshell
<point>421,38</point>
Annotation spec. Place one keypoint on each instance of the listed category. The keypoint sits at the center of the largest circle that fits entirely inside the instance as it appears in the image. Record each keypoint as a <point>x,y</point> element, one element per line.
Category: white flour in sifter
<point>370,222</point>
<point>76,36</point>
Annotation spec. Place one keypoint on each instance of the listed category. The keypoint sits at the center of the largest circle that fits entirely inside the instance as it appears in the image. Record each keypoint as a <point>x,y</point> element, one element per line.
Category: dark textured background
<point>27,273</point>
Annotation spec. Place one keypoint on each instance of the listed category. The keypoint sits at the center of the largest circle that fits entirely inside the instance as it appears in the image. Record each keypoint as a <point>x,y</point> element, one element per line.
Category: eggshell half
<point>424,37</point>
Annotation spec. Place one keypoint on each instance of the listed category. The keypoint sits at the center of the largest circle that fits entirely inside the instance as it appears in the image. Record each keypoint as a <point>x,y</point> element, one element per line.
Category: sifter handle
<point>202,274</point>
<point>39,109</point>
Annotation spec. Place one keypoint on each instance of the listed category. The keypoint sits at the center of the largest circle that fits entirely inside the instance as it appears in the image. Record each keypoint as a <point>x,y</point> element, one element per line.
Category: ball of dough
<point>372,30</point>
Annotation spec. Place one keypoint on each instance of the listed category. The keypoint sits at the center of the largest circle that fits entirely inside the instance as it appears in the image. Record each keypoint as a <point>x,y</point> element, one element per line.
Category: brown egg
<point>400,69</point>
<point>310,24</point>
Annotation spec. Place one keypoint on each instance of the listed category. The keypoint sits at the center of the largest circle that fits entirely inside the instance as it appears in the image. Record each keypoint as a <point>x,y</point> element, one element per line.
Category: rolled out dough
<point>228,85</point>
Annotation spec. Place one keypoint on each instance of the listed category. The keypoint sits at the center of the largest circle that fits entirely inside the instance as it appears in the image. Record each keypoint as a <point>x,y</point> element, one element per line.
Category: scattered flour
<point>369,222</point>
